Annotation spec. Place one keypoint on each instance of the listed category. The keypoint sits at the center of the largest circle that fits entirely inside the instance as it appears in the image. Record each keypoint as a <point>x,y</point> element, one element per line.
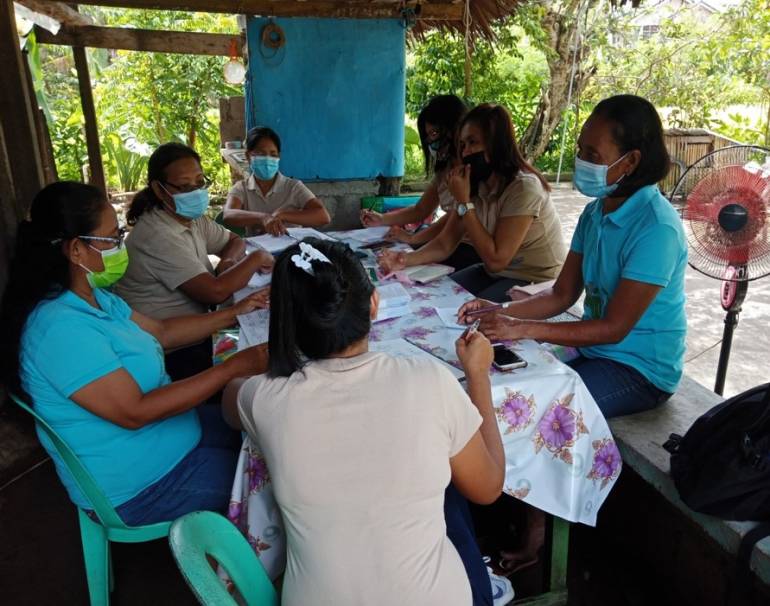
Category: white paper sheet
<point>401,348</point>
<point>393,294</point>
<point>255,326</point>
<point>448,316</point>
<point>259,280</point>
<point>368,234</point>
<point>276,244</point>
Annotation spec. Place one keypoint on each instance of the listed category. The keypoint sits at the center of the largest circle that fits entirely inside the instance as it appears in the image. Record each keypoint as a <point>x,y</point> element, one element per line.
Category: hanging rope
<point>467,20</point>
<point>575,52</point>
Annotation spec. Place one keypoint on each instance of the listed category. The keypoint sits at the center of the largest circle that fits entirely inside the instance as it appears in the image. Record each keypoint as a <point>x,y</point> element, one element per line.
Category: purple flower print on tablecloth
<point>517,411</point>
<point>523,487</point>
<point>458,290</point>
<point>418,333</point>
<point>258,473</point>
<point>421,296</point>
<point>425,312</point>
<point>607,462</point>
<point>559,429</point>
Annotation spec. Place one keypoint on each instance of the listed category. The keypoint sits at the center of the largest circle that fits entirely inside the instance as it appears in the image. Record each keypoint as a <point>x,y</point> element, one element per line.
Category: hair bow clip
<point>307,254</point>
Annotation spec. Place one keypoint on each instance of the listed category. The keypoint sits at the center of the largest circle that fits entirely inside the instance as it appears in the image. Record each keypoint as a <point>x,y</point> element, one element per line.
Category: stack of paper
<point>276,244</point>
<point>401,348</point>
<point>368,234</point>
<point>394,301</point>
<point>422,274</point>
<point>255,326</point>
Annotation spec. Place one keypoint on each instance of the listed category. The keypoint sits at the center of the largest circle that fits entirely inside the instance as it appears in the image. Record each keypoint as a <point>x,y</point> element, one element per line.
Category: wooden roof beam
<point>123,38</point>
<point>57,10</point>
<point>291,8</point>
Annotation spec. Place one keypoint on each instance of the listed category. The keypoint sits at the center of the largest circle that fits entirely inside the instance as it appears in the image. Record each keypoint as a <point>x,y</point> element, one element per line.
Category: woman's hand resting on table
<point>475,354</point>
<point>274,226</point>
<point>392,260</point>
<point>398,234</point>
<point>257,300</point>
<point>463,316</point>
<point>371,218</point>
<point>499,327</point>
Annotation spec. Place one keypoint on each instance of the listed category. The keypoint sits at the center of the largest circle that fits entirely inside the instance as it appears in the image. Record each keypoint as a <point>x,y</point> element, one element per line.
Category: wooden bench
<point>682,556</point>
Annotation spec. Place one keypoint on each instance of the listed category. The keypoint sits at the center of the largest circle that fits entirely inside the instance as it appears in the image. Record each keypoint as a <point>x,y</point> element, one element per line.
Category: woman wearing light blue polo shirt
<point>94,369</point>
<point>629,254</point>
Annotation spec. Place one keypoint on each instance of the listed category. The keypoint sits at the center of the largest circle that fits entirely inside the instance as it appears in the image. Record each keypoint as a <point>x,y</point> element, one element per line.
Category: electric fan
<point>725,205</point>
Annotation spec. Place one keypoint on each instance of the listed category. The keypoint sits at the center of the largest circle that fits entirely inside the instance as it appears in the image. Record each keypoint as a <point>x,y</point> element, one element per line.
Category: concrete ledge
<point>640,439</point>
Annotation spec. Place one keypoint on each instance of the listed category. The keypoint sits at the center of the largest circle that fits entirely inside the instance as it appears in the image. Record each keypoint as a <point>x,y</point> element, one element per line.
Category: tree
<point>566,50</point>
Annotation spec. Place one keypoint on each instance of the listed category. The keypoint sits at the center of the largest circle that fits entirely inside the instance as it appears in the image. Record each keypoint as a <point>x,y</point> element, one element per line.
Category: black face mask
<point>481,170</point>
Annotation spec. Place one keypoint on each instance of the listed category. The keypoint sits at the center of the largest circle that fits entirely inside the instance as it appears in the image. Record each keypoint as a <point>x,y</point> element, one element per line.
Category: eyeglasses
<point>117,241</point>
<point>186,189</point>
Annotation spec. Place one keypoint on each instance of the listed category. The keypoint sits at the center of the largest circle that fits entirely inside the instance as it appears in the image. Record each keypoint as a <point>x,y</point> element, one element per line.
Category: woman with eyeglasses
<point>170,273</point>
<point>93,368</point>
<point>267,201</point>
<point>437,125</point>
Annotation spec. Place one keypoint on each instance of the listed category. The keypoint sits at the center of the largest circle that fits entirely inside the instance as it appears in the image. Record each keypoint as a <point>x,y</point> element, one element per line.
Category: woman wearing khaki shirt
<point>267,201</point>
<point>503,209</point>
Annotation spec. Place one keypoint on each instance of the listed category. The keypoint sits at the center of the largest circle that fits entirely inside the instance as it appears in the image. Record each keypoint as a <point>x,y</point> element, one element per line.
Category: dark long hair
<point>39,270</point>
<point>506,159</point>
<point>444,112</point>
<point>316,316</point>
<point>636,125</point>
<point>166,154</point>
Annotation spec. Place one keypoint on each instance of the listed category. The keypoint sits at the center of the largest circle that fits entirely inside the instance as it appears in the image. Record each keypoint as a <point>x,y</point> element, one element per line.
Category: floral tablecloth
<point>560,454</point>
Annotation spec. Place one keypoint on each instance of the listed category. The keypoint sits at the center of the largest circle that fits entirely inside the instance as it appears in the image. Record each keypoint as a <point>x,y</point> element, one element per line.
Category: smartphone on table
<point>505,359</point>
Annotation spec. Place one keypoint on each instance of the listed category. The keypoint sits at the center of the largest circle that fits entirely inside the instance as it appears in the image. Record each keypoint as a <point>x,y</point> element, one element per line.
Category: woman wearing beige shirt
<point>267,201</point>
<point>503,209</point>
<point>360,473</point>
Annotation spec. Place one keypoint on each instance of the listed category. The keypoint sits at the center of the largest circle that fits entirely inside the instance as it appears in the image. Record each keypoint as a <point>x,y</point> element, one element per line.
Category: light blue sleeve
<point>653,256</point>
<point>72,354</point>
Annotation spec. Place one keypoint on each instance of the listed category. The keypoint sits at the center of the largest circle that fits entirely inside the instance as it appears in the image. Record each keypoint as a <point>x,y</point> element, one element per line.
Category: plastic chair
<point>220,218</point>
<point>199,534</point>
<point>96,536</point>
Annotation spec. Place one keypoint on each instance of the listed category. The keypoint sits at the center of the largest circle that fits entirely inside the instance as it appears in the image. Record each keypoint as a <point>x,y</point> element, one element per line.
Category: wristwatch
<point>464,208</point>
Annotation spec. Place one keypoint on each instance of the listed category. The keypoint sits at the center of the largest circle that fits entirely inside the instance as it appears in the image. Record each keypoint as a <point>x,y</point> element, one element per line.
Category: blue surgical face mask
<point>264,167</point>
<point>591,179</point>
<point>191,204</point>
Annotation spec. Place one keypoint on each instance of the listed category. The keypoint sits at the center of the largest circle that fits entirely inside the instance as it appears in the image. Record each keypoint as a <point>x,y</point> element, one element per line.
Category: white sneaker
<point>502,590</point>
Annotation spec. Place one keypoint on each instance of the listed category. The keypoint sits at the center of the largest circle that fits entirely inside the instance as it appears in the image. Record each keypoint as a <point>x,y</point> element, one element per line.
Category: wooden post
<point>96,172</point>
<point>17,120</point>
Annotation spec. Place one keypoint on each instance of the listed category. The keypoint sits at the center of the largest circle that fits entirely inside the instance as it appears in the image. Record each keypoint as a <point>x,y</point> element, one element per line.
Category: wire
<point>698,355</point>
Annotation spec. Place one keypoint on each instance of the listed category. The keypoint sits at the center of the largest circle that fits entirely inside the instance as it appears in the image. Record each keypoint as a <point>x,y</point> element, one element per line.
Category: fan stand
<point>733,295</point>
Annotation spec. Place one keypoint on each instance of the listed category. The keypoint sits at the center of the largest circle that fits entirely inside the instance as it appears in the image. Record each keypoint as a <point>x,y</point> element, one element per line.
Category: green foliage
<point>508,73</point>
<point>126,159</point>
<point>741,128</point>
<point>142,99</point>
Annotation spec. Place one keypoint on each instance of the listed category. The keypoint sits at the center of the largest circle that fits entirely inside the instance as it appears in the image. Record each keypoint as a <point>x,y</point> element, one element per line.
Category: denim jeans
<point>617,388</point>
<point>479,283</point>
<point>202,480</point>
<point>460,530</point>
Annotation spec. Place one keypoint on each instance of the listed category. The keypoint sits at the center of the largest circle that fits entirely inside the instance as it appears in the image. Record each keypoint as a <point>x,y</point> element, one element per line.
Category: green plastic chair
<point>199,534</point>
<point>96,536</point>
<point>220,218</point>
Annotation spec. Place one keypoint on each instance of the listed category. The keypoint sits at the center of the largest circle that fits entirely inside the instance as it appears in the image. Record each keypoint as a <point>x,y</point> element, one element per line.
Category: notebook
<point>422,274</point>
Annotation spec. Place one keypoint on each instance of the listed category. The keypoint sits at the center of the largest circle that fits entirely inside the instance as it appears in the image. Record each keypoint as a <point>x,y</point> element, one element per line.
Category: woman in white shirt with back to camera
<point>359,470</point>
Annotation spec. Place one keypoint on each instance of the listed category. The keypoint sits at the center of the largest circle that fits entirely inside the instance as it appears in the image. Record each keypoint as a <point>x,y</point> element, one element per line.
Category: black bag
<point>721,466</point>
